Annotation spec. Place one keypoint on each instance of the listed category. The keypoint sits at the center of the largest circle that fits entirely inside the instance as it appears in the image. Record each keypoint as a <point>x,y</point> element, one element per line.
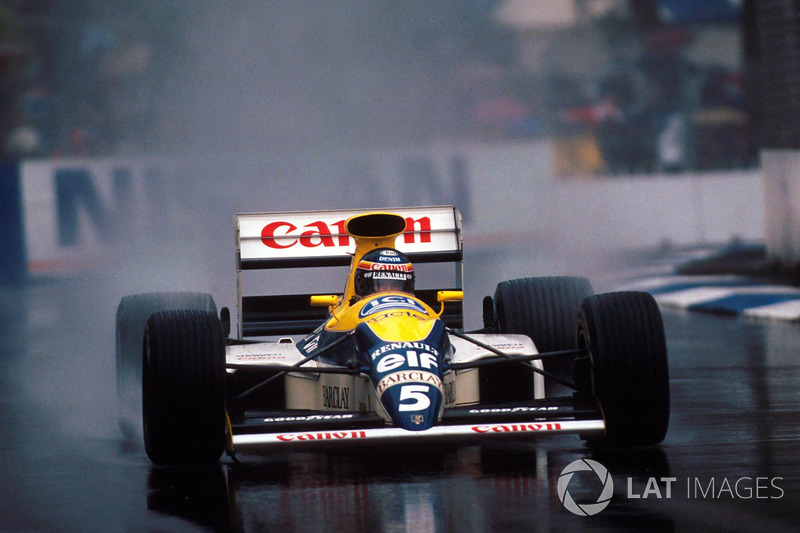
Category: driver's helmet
<point>384,270</point>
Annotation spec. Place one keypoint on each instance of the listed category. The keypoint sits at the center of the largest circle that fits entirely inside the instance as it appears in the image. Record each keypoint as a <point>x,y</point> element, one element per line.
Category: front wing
<point>474,424</point>
<point>461,432</point>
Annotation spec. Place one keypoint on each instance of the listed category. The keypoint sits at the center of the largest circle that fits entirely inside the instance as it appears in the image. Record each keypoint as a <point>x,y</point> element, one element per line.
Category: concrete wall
<point>641,211</point>
<point>74,211</point>
<point>781,170</point>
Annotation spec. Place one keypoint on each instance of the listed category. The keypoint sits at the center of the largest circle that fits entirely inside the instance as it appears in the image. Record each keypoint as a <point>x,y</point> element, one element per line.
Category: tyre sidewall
<point>183,388</point>
<point>623,334</point>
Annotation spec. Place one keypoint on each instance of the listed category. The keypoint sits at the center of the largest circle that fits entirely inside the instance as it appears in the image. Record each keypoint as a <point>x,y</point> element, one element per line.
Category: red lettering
<point>323,233</point>
<point>369,265</point>
<point>268,234</point>
<point>288,437</point>
<point>320,234</point>
<point>424,224</point>
<point>517,428</point>
<point>344,238</point>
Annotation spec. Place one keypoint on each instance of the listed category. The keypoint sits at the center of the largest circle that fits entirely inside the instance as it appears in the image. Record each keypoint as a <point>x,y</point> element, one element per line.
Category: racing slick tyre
<point>132,314</point>
<point>183,388</point>
<point>544,309</point>
<point>626,366</point>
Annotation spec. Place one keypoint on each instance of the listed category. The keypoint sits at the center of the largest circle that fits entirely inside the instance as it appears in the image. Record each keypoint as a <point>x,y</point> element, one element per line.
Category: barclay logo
<point>585,509</point>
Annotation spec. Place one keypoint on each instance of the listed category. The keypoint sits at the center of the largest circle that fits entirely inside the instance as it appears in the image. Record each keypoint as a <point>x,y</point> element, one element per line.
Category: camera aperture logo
<point>604,479</point>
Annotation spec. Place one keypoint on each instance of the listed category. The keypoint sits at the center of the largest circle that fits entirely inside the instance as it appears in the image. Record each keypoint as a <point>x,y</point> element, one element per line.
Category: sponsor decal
<point>520,409</point>
<point>416,345</point>
<point>282,234</point>
<point>375,266</point>
<point>505,346</point>
<point>331,435</point>
<point>308,418</point>
<point>336,397</point>
<point>408,376</point>
<point>516,428</point>
<point>401,276</point>
<point>391,301</point>
<point>395,314</point>
<point>394,360</point>
<point>259,356</point>
<point>390,256</point>
<point>310,344</point>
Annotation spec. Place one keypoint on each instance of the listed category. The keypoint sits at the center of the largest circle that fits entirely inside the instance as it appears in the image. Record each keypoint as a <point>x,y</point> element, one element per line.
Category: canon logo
<point>516,428</point>
<point>283,234</point>
<point>335,435</point>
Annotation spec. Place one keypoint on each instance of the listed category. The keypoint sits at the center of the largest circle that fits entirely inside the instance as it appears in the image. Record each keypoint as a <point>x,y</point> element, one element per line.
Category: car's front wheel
<point>625,368</point>
<point>132,314</point>
<point>183,388</point>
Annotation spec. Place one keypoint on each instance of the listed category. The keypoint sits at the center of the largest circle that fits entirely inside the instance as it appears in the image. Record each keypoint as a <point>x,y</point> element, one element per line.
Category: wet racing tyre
<point>132,314</point>
<point>183,388</point>
<point>544,309</point>
<point>626,366</point>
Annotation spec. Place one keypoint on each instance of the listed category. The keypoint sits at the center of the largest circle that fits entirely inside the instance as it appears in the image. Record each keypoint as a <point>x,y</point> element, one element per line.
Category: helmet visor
<point>392,282</point>
<point>372,281</point>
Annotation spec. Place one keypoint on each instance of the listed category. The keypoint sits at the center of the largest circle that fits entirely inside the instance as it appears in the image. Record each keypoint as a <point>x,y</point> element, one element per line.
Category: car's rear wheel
<point>183,388</point>
<point>132,314</point>
<point>626,367</point>
<point>544,309</point>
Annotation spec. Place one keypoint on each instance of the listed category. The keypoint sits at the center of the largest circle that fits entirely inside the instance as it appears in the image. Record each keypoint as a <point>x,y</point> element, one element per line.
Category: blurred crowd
<point>106,96</point>
<point>74,85</point>
<point>653,110</point>
<point>95,89</point>
<point>688,118</point>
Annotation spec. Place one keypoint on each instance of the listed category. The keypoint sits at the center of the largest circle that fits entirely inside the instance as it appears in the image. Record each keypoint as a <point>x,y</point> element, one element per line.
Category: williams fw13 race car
<point>384,361</point>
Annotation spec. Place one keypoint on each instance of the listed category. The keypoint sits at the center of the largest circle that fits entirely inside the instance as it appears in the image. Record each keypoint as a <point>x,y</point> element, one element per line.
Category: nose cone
<point>414,404</point>
<point>407,375</point>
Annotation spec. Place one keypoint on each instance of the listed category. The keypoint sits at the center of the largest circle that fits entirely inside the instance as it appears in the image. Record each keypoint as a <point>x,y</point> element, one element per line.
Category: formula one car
<point>385,361</point>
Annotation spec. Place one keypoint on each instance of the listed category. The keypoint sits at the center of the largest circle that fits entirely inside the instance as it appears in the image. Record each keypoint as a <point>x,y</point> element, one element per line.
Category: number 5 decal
<point>417,394</point>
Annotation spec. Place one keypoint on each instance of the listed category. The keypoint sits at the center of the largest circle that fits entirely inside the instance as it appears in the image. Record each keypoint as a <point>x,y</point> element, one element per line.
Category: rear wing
<point>308,239</point>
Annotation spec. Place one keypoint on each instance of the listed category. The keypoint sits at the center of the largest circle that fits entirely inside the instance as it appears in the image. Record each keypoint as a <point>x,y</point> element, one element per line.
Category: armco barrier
<point>12,243</point>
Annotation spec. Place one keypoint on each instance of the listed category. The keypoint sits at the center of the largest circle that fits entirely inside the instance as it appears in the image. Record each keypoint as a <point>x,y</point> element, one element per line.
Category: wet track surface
<point>729,462</point>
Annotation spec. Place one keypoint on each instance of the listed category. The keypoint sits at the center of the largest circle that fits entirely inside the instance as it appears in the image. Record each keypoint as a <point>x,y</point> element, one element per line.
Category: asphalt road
<point>729,462</point>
